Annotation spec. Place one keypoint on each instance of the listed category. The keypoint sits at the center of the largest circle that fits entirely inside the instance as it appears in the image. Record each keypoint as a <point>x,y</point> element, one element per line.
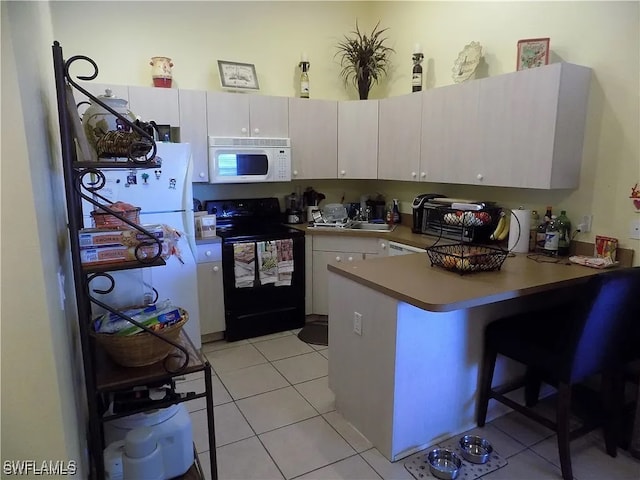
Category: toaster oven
<point>456,219</point>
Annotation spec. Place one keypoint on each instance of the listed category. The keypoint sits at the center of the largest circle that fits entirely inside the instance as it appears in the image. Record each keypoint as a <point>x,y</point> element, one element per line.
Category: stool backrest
<point>606,323</point>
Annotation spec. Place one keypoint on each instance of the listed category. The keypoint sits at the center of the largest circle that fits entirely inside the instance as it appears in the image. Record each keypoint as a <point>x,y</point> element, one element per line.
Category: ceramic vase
<point>98,121</point>
<point>161,71</point>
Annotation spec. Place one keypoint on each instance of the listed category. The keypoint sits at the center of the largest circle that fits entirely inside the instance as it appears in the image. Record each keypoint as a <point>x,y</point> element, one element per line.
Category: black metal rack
<point>103,378</point>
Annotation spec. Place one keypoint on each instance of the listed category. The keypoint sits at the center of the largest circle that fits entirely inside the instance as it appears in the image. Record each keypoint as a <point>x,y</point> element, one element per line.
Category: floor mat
<point>316,333</point>
<point>418,465</point>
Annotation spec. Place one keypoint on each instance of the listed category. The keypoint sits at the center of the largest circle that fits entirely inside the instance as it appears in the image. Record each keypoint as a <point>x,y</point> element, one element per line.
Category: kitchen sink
<point>376,227</point>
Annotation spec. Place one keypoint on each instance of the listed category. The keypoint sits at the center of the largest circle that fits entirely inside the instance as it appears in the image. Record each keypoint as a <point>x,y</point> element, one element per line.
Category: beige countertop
<point>402,234</point>
<point>412,279</point>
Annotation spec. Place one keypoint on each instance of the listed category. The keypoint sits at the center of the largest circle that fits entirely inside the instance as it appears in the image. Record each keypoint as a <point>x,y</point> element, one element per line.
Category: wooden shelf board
<point>111,376</point>
<point>111,267</point>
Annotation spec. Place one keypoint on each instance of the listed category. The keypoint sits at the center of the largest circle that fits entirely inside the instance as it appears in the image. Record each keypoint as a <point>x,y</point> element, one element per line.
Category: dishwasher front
<point>402,249</point>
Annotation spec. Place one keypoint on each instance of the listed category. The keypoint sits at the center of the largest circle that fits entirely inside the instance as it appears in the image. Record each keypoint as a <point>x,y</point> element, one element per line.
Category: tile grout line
<point>319,414</point>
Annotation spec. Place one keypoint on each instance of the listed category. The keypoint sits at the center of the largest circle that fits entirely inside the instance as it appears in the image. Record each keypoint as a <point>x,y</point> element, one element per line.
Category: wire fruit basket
<point>142,348</point>
<point>465,258</point>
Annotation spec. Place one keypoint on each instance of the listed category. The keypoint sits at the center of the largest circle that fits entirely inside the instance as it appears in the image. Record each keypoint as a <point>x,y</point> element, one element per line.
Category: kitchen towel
<point>244,258</point>
<point>519,227</point>
<point>267,262</point>
<point>284,250</point>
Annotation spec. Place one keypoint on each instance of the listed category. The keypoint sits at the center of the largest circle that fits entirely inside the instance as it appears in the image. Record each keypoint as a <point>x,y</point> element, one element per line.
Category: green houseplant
<point>364,59</point>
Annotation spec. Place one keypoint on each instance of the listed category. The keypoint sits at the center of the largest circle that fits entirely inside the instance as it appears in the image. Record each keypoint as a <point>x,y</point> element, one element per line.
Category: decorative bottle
<point>552,236</point>
<point>304,77</point>
<point>542,230</point>
<point>564,228</point>
<point>416,76</point>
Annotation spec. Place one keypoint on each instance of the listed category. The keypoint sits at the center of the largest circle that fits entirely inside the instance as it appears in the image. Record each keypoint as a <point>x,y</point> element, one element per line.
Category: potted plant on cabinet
<point>364,59</point>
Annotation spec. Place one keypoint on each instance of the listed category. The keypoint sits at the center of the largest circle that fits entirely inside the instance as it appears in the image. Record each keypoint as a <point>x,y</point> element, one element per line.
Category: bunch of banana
<point>502,229</point>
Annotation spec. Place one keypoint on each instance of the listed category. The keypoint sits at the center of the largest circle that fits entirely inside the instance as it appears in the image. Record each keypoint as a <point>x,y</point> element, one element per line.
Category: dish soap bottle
<point>395,211</point>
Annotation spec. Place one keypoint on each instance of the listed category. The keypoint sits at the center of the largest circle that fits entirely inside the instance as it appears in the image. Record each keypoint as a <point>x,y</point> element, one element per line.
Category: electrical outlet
<point>357,323</point>
<point>584,225</point>
<point>634,230</point>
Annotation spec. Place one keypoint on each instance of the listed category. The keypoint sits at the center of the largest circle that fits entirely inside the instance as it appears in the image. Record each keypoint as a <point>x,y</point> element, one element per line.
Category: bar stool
<point>591,334</point>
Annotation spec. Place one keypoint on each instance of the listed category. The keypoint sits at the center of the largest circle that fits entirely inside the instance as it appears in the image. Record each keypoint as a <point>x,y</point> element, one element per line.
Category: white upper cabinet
<point>400,123</point>
<point>157,104</point>
<point>449,148</point>
<point>531,126</point>
<point>358,139</point>
<point>193,130</point>
<point>240,115</point>
<point>313,128</point>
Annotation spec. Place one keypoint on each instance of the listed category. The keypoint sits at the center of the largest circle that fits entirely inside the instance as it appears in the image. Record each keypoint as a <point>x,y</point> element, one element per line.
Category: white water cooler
<point>154,445</point>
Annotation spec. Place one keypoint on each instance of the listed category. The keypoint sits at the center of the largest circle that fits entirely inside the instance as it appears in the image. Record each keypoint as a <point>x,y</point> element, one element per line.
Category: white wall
<point>39,365</point>
<point>602,35</point>
<point>42,405</point>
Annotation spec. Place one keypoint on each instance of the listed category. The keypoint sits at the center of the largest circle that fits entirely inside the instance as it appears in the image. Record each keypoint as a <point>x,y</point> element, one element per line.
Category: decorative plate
<point>465,65</point>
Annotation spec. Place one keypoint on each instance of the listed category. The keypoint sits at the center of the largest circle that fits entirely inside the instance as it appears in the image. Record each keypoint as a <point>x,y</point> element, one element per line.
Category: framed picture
<point>238,75</point>
<point>533,52</point>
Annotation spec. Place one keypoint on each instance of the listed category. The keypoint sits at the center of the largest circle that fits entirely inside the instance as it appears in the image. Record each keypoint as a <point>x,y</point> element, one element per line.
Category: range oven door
<point>254,308</point>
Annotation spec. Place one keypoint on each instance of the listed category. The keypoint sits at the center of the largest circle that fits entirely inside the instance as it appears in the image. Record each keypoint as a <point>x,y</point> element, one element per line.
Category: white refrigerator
<point>165,196</point>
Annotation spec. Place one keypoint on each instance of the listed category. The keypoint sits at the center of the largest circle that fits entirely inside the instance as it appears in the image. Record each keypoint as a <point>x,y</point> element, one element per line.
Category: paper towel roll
<point>519,231</point>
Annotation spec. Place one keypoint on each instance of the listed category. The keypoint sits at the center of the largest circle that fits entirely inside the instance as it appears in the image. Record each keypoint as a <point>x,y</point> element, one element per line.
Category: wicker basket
<point>118,143</point>
<point>106,220</point>
<point>142,348</point>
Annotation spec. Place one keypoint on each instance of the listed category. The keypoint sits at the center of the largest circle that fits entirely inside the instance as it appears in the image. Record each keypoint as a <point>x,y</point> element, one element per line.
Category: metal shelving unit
<point>103,377</point>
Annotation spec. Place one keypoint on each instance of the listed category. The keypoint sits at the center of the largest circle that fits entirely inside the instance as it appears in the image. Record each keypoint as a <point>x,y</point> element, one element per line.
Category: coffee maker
<point>293,204</point>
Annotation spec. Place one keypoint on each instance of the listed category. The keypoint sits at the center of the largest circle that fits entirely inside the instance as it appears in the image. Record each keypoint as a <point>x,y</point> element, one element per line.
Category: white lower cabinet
<point>211,298</point>
<point>335,249</point>
<point>210,288</point>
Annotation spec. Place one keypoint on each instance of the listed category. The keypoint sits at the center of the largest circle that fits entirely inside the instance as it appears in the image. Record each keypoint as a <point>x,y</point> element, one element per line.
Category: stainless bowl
<point>475,449</point>
<point>444,463</point>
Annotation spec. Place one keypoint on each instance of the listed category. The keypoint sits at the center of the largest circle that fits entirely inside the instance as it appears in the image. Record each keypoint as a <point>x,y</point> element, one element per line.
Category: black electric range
<point>255,305</point>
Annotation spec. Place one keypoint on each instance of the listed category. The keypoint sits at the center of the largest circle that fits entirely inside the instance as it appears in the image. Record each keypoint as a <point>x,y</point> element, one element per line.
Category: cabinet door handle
<point>338,259</point>
<point>256,131</point>
<point>343,172</point>
<point>423,175</point>
<point>479,177</point>
<point>216,268</point>
<point>383,245</point>
<point>208,253</point>
<point>414,174</point>
<point>350,259</point>
<point>295,173</point>
<point>201,175</point>
<point>243,130</point>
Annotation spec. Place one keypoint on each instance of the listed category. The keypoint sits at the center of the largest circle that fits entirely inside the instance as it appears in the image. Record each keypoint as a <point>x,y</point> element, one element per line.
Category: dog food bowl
<point>475,449</point>
<point>444,463</point>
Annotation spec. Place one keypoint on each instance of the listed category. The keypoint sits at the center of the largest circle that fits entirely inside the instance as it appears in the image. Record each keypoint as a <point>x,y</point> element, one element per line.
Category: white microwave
<point>249,159</point>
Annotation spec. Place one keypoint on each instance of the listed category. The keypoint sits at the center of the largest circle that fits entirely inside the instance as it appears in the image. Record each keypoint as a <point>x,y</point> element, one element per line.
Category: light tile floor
<point>275,419</point>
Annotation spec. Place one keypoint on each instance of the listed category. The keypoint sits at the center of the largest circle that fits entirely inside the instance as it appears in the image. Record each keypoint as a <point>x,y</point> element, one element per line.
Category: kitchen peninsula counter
<point>412,279</point>
<point>407,376</point>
